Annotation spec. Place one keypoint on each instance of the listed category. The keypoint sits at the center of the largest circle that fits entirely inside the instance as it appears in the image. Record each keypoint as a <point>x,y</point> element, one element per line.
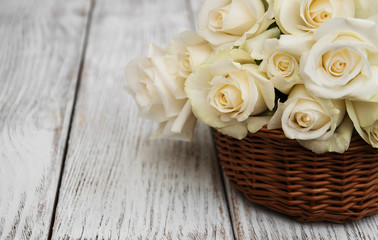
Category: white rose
<point>339,142</point>
<point>299,17</point>
<point>186,52</point>
<point>227,90</point>
<point>159,97</point>
<point>281,60</point>
<point>365,119</point>
<point>233,21</point>
<point>304,117</point>
<point>343,63</point>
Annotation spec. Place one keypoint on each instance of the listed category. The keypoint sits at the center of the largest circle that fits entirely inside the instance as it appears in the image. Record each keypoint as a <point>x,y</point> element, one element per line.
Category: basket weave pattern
<point>277,172</point>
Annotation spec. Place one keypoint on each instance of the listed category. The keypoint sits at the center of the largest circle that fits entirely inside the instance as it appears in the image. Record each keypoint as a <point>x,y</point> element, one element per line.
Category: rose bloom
<point>281,60</point>
<point>227,90</point>
<point>157,84</point>
<point>312,121</point>
<point>364,115</point>
<point>233,21</point>
<point>300,17</point>
<point>343,63</point>
<point>186,52</point>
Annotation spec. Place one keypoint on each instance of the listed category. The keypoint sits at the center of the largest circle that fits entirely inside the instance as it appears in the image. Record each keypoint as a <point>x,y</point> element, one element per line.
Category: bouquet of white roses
<point>309,67</point>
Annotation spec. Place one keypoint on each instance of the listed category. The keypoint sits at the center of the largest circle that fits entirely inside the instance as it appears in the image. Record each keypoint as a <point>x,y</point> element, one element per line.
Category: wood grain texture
<point>117,184</point>
<point>40,52</point>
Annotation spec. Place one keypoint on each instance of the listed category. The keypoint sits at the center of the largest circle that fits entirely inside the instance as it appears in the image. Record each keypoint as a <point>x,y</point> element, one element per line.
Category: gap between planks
<point>227,194</point>
<point>77,88</point>
<point>76,137</point>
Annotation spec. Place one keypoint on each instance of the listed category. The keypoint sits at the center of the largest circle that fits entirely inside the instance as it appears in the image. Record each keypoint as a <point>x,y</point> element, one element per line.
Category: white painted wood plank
<point>253,221</point>
<point>195,6</point>
<point>40,52</point>
<point>117,183</point>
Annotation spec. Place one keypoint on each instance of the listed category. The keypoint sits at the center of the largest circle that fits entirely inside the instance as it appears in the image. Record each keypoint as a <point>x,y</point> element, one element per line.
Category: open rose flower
<point>300,17</point>
<point>364,115</point>
<point>343,63</point>
<point>304,117</point>
<point>227,90</point>
<point>233,21</point>
<point>281,60</point>
<point>157,84</point>
<point>186,52</point>
<point>159,96</point>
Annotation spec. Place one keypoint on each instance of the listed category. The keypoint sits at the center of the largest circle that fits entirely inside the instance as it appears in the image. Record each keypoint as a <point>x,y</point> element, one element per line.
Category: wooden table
<point>75,159</point>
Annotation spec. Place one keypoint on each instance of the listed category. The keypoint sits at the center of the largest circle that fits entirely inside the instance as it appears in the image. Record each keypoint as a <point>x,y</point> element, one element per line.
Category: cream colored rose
<point>365,119</point>
<point>159,97</point>
<point>343,63</point>
<point>233,21</point>
<point>304,117</point>
<point>227,90</point>
<point>281,60</point>
<point>300,17</point>
<point>186,52</point>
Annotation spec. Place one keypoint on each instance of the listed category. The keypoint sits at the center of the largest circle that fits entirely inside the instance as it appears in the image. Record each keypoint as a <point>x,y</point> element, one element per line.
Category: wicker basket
<point>282,175</point>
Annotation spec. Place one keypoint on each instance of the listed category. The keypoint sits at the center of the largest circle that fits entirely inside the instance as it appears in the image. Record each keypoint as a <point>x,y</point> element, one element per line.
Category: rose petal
<point>198,55</point>
<point>256,123</point>
<point>367,9</point>
<point>256,45</point>
<point>367,112</point>
<point>238,130</point>
<point>194,88</point>
<point>164,81</point>
<point>296,45</point>
<point>362,29</point>
<point>339,141</point>
<point>164,130</point>
<point>262,24</point>
<point>265,86</point>
<point>237,55</point>
<point>222,68</point>
<point>186,43</point>
<point>288,17</point>
<point>184,116</point>
<point>275,122</point>
<point>240,18</point>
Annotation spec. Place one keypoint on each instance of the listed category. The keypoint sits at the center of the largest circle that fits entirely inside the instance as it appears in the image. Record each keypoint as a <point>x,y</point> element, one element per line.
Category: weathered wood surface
<point>117,184</point>
<point>40,52</point>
